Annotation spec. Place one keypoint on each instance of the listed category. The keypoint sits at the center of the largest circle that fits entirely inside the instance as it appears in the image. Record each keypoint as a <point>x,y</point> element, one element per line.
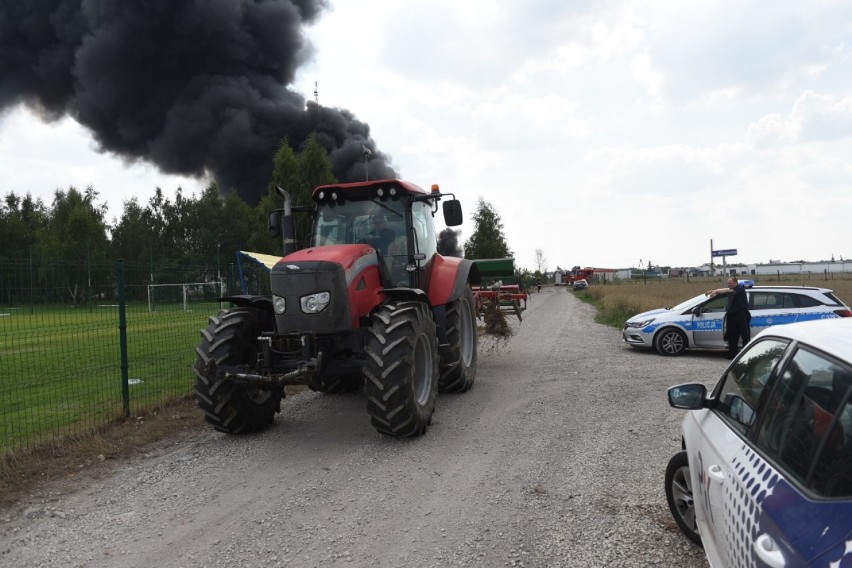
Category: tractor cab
<point>390,217</point>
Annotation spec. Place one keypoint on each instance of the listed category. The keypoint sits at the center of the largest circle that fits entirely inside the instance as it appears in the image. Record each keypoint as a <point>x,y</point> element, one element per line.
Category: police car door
<point>715,442</point>
<point>796,502</point>
<point>770,308</point>
<point>707,321</point>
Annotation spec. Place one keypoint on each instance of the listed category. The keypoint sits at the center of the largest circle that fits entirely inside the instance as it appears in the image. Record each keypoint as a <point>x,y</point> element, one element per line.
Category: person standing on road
<point>737,316</point>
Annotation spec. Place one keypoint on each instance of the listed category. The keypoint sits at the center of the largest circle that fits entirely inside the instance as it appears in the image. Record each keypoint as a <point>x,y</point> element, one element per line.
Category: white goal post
<point>183,293</point>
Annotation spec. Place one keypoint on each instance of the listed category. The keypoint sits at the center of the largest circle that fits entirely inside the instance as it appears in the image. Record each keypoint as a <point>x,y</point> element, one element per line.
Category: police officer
<point>737,316</point>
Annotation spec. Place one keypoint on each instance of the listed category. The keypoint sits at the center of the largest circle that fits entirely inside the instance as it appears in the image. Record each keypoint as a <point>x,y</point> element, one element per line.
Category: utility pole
<point>711,259</point>
<point>219,261</point>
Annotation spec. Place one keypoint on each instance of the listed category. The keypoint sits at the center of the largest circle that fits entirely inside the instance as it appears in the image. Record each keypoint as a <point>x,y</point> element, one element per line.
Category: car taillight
<point>844,313</point>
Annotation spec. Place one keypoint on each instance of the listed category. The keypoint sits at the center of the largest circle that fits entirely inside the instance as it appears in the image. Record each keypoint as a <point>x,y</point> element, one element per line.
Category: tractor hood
<point>350,275</point>
<point>351,258</point>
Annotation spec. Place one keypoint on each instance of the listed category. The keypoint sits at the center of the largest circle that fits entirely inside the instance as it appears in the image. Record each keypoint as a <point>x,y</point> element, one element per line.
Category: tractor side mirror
<point>273,224</point>
<point>453,213</point>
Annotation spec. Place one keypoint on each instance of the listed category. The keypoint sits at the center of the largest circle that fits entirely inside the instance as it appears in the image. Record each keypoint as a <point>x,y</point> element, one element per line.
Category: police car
<point>699,321</point>
<point>765,474</point>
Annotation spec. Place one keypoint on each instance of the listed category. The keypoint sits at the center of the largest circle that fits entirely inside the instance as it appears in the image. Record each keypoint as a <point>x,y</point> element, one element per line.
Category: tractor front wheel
<point>401,371</point>
<point>458,370</point>
<point>231,340</point>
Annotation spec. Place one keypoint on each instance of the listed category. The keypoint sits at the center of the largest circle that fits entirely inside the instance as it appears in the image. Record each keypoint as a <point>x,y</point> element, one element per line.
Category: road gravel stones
<point>556,457</point>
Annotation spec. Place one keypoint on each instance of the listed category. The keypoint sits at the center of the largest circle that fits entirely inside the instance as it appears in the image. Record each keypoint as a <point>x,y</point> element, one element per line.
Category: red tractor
<point>369,304</point>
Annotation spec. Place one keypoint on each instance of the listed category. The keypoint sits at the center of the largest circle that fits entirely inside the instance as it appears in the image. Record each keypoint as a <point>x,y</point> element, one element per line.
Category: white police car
<point>765,475</point>
<point>699,321</point>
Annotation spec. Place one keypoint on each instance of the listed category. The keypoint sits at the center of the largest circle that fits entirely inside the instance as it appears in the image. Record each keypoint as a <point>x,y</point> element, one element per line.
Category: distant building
<point>822,267</point>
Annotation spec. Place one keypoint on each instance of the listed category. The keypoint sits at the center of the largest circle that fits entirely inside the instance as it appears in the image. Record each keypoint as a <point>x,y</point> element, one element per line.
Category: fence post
<point>122,334</point>
<point>32,283</point>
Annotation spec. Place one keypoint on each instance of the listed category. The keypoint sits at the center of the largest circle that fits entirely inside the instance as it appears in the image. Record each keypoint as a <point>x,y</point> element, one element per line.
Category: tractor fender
<point>249,301</point>
<point>448,277</point>
<point>406,295</point>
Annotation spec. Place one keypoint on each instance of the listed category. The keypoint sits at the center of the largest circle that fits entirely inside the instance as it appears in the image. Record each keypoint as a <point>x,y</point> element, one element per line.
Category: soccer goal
<point>183,295</point>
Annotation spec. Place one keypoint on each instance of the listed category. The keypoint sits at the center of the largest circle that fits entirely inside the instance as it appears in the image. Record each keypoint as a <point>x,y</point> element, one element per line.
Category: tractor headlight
<point>315,303</point>
<point>279,304</point>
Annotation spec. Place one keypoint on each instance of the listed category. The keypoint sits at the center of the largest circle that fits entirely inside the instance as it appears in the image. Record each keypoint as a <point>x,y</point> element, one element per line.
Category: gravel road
<point>555,458</point>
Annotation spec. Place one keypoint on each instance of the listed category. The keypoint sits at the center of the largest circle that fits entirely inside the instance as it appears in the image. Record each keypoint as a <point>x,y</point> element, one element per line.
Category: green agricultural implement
<point>499,286</point>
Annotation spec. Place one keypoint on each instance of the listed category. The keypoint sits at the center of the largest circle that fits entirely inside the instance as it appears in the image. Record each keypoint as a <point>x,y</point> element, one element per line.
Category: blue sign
<point>726,252</point>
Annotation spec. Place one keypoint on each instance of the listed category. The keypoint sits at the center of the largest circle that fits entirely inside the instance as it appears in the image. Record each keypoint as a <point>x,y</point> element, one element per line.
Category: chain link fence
<point>82,344</point>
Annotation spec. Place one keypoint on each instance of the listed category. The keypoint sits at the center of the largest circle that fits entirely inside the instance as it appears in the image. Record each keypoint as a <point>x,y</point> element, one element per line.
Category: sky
<point>606,133</point>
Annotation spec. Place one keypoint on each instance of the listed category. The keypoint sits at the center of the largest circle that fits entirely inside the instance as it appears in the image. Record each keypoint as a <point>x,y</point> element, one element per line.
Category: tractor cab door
<point>422,242</point>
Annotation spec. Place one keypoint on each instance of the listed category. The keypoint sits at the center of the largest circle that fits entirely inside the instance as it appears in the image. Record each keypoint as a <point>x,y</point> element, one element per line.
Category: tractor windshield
<point>378,223</point>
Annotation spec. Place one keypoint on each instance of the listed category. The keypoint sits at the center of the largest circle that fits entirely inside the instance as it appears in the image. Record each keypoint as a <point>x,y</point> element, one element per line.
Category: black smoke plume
<point>193,86</point>
<point>448,243</point>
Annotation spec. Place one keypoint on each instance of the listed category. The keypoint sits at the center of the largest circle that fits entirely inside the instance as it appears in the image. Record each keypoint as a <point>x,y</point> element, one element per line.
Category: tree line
<point>202,231</point>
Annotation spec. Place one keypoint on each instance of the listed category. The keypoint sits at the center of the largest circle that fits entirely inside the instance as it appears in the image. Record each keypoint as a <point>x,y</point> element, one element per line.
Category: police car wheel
<point>670,341</point>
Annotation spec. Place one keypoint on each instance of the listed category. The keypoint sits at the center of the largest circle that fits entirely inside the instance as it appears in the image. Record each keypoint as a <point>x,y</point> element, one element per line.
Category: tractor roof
<point>369,187</point>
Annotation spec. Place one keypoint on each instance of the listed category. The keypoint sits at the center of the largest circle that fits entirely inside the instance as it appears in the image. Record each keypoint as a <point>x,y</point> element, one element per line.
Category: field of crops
<point>617,302</point>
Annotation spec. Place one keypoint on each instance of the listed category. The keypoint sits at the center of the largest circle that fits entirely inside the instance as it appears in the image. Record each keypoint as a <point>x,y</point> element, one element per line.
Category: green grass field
<point>60,368</point>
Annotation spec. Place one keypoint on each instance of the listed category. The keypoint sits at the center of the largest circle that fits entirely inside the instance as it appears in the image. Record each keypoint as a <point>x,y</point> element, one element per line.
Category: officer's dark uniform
<point>737,320</point>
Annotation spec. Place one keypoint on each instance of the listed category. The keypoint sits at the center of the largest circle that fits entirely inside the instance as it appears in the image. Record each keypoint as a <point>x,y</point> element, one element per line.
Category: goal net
<point>183,295</point>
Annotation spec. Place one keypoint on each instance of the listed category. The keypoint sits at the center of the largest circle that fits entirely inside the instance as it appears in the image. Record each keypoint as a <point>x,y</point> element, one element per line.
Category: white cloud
<point>822,117</point>
<point>813,118</point>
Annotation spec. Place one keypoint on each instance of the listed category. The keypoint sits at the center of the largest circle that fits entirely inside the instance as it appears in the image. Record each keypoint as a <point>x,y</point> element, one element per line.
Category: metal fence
<point>82,344</point>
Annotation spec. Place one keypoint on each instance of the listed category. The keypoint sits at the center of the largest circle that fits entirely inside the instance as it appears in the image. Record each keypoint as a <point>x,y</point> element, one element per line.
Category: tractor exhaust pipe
<point>280,222</point>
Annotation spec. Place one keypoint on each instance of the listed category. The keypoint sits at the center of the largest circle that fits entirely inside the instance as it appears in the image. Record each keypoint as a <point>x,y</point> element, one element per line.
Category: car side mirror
<point>696,310</point>
<point>453,213</point>
<point>688,397</point>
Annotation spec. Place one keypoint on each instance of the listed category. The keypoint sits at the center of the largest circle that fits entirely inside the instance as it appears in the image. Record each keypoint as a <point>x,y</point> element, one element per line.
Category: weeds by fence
<point>61,348</point>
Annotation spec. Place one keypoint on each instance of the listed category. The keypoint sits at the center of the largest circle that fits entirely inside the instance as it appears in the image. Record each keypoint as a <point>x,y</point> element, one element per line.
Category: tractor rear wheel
<point>401,371</point>
<point>231,340</point>
<point>458,371</point>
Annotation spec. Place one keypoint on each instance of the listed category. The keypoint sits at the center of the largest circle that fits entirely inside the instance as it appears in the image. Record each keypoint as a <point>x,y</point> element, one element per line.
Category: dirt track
<point>554,458</point>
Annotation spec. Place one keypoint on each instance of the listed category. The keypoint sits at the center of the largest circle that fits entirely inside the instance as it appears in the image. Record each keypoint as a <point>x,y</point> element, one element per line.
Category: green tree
<point>132,234</point>
<point>298,175</point>
<point>314,171</point>
<point>487,239</point>
<point>75,232</point>
<point>20,220</point>
<point>314,167</point>
<point>285,174</point>
<point>223,225</point>
<point>525,278</point>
